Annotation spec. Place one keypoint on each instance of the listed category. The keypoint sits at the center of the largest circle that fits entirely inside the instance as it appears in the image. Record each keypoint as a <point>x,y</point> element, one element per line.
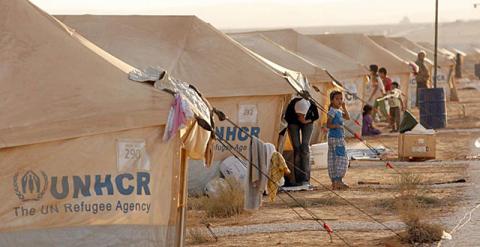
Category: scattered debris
<point>367,182</point>
<point>446,236</point>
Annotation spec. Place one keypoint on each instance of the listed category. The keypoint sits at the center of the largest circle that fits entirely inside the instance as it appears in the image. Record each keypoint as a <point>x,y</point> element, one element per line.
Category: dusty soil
<point>456,142</point>
<point>465,113</point>
<point>305,238</point>
<point>376,199</point>
<point>450,146</point>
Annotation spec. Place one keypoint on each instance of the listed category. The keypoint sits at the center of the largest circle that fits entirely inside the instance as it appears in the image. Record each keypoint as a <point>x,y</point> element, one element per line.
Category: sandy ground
<point>450,146</point>
<point>465,223</point>
<point>375,199</point>
<point>457,141</point>
<point>305,238</point>
<point>465,113</point>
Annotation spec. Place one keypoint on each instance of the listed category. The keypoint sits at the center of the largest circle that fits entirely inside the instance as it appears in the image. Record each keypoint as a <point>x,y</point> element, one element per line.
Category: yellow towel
<point>278,168</point>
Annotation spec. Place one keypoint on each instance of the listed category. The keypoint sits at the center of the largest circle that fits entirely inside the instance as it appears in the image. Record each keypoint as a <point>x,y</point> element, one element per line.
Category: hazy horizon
<point>235,14</point>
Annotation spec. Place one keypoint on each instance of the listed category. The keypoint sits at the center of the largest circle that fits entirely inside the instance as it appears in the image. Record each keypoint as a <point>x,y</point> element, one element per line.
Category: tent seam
<point>184,44</point>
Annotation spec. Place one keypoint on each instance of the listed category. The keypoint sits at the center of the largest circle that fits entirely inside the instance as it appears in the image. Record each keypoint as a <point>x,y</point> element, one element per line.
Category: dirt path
<point>276,225</point>
<point>451,144</point>
<point>302,226</point>
<point>468,234</point>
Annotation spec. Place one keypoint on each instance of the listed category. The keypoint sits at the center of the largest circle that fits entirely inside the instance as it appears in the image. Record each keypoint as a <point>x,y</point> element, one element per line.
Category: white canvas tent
<point>426,45</point>
<point>343,68</point>
<point>396,48</point>
<point>405,54</point>
<point>445,62</point>
<point>444,59</point>
<point>249,90</point>
<point>81,147</point>
<point>272,51</point>
<point>459,34</point>
<point>366,51</point>
<point>335,62</point>
<point>430,47</point>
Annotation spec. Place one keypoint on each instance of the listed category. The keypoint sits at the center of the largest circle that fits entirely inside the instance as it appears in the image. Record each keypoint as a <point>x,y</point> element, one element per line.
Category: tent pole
<point>436,46</point>
<point>182,199</point>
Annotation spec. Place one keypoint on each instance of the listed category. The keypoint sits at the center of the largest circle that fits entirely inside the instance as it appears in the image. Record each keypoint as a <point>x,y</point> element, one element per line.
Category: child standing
<point>337,154</point>
<point>396,106</point>
<point>378,91</point>
<point>367,123</point>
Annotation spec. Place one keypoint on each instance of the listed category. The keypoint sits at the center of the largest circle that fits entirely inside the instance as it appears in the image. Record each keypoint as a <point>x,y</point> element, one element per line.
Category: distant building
<point>405,21</point>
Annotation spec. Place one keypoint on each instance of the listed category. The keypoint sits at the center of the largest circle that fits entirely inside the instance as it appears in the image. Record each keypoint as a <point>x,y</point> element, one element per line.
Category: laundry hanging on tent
<point>195,141</point>
<point>196,127</point>
<point>163,81</point>
<point>278,169</point>
<point>269,150</point>
<point>180,113</point>
<point>253,195</point>
<point>147,74</point>
<point>257,172</point>
<point>209,151</point>
<point>196,132</point>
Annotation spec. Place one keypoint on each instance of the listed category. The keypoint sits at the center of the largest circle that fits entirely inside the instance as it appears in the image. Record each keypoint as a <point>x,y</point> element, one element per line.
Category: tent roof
<point>190,49</point>
<point>53,87</point>
<point>462,35</point>
<point>411,45</point>
<point>395,47</point>
<point>265,47</point>
<point>442,60</point>
<point>427,45</point>
<point>322,56</point>
<point>364,50</point>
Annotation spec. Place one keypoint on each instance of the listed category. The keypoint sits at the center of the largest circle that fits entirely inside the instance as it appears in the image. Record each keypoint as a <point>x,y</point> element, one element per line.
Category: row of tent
<point>236,81</point>
<point>194,51</point>
<point>68,110</point>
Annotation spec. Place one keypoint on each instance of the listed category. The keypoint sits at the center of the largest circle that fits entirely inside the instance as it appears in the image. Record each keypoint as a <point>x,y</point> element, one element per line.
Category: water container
<point>233,168</point>
<point>199,176</point>
<point>477,70</point>
<point>319,153</point>
<point>433,113</point>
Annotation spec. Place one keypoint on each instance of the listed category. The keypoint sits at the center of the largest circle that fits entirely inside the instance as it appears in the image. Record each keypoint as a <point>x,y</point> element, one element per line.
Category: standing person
<point>300,115</point>
<point>423,75</point>
<point>378,89</point>
<point>396,106</point>
<point>337,153</point>
<point>367,123</point>
<point>387,82</point>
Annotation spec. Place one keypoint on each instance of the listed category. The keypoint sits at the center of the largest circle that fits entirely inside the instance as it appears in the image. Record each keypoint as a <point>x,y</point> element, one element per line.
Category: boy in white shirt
<point>395,102</point>
<point>377,90</point>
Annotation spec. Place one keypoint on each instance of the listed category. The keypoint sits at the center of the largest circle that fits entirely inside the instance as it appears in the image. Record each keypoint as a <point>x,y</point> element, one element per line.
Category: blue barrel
<point>433,113</point>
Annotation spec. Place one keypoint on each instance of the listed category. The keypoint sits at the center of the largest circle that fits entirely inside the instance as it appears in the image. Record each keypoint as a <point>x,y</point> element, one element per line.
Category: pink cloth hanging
<point>176,118</point>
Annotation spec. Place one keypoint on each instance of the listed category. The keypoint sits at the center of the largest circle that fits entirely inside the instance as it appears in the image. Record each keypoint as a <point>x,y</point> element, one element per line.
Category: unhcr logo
<point>30,186</point>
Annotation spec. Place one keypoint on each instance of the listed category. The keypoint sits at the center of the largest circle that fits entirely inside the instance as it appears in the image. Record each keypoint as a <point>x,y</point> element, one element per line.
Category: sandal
<point>344,186</point>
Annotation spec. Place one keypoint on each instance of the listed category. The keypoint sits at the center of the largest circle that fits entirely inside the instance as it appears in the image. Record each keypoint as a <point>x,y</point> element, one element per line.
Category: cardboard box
<point>416,146</point>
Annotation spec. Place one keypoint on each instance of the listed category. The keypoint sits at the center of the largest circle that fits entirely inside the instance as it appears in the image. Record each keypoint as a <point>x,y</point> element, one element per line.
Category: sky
<point>276,13</point>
